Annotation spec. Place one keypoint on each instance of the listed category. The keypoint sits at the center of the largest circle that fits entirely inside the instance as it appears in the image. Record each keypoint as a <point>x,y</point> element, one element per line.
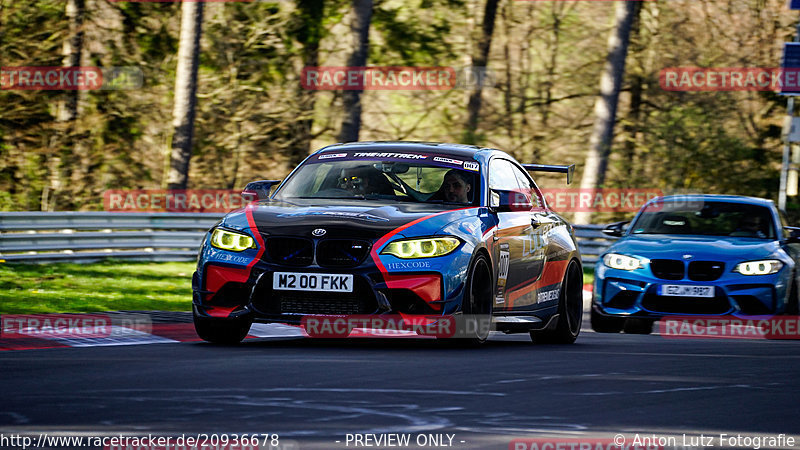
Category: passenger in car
<point>456,187</point>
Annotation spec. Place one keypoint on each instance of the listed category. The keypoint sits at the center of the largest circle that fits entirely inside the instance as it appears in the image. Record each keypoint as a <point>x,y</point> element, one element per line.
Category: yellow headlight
<point>229,240</point>
<point>421,248</point>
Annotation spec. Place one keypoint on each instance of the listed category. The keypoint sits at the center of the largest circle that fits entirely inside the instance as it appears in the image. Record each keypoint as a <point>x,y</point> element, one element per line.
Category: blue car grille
<point>667,269</point>
<point>674,269</point>
<point>705,270</point>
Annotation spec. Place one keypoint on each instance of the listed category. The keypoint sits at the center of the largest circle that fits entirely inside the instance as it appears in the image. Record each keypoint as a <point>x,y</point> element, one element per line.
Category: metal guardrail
<point>92,236</point>
<point>592,242</point>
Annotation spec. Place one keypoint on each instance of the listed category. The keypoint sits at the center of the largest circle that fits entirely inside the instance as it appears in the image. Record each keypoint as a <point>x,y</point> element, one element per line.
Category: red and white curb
<point>161,333</point>
<point>169,329</point>
<point>587,297</point>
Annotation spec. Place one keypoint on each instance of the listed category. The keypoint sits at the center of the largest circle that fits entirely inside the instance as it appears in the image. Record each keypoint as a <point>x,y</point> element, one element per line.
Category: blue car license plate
<point>684,290</point>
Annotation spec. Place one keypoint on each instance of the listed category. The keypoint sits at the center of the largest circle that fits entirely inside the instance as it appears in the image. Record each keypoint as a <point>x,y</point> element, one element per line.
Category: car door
<point>515,247</point>
<point>522,294</point>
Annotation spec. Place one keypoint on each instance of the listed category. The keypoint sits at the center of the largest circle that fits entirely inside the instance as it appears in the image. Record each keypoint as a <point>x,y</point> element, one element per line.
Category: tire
<point>478,302</point>
<point>603,324</point>
<point>793,307</point>
<point>793,302</point>
<point>570,310</point>
<point>221,331</point>
<point>638,326</point>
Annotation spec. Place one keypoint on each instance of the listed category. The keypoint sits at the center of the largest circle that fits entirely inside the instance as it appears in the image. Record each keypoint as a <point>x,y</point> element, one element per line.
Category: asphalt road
<point>314,393</point>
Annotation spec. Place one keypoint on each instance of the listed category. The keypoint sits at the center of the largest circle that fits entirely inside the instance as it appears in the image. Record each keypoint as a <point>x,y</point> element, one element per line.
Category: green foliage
<point>256,121</point>
<point>108,286</point>
<point>413,33</point>
<point>703,156</point>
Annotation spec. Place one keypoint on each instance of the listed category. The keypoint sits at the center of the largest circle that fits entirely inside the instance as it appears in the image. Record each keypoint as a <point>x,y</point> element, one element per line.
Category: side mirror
<point>506,201</point>
<point>258,190</point>
<point>792,235</point>
<point>615,229</point>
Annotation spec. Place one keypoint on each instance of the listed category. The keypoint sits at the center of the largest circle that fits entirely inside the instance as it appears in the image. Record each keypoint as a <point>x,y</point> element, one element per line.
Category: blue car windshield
<point>381,179</point>
<point>706,218</point>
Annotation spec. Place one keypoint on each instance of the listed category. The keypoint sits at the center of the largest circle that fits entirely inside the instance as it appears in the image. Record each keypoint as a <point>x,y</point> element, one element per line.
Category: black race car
<point>380,229</point>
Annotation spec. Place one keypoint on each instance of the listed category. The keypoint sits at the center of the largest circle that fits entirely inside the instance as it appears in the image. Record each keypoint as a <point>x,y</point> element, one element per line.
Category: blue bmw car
<point>696,255</point>
<point>395,228</point>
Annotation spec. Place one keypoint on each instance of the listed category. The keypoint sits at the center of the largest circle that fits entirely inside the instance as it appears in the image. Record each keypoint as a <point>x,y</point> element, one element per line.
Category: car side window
<point>502,176</point>
<point>530,189</point>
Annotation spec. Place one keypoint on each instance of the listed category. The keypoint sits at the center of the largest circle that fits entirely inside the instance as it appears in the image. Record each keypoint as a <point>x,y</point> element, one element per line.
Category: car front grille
<point>667,269</point>
<point>309,304</point>
<point>342,252</point>
<point>623,300</point>
<point>300,252</point>
<point>718,304</point>
<point>705,270</point>
<point>751,305</point>
<point>290,251</point>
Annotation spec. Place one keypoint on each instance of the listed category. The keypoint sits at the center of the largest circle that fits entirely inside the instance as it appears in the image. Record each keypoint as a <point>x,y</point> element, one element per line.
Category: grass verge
<point>108,286</point>
<point>588,274</point>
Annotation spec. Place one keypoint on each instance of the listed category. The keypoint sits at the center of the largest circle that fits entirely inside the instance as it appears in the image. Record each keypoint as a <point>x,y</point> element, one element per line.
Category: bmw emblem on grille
<point>319,232</point>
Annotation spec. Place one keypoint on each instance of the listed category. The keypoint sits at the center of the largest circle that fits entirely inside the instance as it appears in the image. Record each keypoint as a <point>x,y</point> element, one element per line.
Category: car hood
<point>713,248</point>
<point>343,219</point>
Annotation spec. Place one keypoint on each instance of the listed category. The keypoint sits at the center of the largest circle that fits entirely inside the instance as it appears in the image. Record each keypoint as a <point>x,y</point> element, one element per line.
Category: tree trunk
<point>362,18</point>
<point>605,108</point>
<point>72,52</point>
<point>480,59</point>
<point>67,108</point>
<point>632,125</point>
<point>309,33</point>
<point>185,94</point>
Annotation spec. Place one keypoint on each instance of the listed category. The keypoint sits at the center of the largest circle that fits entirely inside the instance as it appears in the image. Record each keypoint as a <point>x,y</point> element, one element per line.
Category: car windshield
<point>433,180</point>
<point>706,219</point>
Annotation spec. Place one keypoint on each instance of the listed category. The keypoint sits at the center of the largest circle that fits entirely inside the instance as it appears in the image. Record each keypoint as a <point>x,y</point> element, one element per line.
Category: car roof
<point>716,198</point>
<point>461,150</point>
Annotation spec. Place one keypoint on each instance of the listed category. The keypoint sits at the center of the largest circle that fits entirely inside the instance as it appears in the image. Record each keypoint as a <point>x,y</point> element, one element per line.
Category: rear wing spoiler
<point>569,170</point>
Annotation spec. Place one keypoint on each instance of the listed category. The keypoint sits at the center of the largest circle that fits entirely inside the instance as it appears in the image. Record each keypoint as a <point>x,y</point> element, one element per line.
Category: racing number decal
<point>502,273</point>
<point>504,259</point>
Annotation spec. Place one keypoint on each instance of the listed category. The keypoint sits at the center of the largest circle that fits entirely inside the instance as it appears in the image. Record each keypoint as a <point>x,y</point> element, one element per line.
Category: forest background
<point>61,150</point>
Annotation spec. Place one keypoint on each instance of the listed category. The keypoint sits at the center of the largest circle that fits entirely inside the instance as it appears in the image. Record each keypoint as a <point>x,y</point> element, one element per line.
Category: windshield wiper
<point>357,197</point>
<point>443,202</point>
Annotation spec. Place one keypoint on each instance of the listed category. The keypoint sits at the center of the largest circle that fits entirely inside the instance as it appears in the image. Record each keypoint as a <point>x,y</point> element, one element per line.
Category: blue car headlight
<point>421,248</point>
<point>231,240</point>
<point>761,267</point>
<point>622,262</point>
